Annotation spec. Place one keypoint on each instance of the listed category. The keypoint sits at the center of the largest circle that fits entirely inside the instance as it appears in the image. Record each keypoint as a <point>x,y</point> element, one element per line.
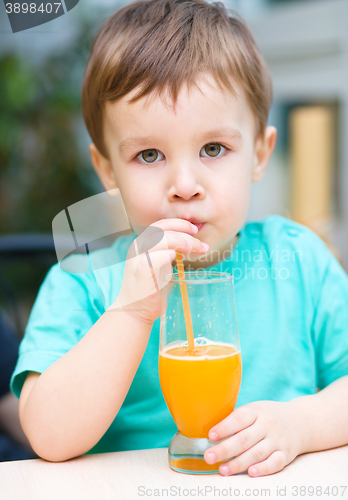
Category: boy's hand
<point>144,275</point>
<point>266,437</point>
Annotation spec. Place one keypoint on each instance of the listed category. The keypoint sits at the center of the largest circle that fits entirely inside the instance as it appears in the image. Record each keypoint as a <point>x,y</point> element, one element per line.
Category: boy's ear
<point>103,168</point>
<point>264,147</point>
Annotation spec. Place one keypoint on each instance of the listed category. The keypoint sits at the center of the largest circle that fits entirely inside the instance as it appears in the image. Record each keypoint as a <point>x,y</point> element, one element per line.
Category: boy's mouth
<point>199,225</point>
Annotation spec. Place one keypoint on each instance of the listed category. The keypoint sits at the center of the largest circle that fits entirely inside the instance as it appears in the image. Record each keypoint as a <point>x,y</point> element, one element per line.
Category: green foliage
<point>42,166</point>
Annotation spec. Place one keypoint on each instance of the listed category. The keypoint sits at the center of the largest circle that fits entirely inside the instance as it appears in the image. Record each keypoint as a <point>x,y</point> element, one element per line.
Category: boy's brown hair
<point>160,45</point>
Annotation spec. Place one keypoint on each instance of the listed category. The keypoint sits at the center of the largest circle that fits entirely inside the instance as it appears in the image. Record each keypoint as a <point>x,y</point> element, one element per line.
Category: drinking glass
<point>199,385</point>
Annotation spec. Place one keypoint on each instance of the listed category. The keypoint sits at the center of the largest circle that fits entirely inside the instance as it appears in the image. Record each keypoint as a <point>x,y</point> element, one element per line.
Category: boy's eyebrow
<point>222,132</point>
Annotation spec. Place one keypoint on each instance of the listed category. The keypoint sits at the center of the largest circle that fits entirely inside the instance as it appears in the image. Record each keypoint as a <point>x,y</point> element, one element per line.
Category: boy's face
<point>196,162</point>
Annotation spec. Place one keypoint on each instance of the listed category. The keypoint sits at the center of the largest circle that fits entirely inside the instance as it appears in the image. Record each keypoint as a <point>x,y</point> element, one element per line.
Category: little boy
<point>176,99</point>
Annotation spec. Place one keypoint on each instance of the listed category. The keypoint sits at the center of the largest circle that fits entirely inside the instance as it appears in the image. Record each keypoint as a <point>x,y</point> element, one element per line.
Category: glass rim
<point>221,277</point>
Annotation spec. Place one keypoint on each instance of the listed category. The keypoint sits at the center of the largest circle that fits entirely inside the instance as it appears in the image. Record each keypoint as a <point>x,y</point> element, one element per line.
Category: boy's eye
<point>149,155</point>
<point>212,150</point>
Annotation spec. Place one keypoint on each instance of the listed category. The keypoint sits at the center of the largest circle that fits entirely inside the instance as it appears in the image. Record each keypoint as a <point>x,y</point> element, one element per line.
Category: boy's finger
<point>274,463</point>
<point>239,419</point>
<point>151,273</point>
<point>235,445</point>
<point>184,242</point>
<point>176,225</point>
<point>261,451</point>
<point>181,242</point>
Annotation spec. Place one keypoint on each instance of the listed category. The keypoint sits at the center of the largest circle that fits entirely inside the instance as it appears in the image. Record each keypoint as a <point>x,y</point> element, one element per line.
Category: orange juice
<point>200,387</point>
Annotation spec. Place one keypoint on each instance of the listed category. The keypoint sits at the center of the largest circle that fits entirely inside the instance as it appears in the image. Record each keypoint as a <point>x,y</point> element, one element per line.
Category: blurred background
<point>44,159</point>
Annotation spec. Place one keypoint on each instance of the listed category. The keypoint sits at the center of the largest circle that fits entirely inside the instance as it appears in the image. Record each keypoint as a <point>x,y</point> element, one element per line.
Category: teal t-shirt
<point>292,308</point>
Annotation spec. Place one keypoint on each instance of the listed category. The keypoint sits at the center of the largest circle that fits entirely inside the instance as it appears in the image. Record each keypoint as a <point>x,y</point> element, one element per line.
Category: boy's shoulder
<point>297,255</point>
<point>280,236</point>
<point>286,232</point>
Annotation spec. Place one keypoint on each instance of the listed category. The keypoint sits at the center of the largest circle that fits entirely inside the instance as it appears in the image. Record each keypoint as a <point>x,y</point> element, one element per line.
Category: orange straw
<point>185,302</point>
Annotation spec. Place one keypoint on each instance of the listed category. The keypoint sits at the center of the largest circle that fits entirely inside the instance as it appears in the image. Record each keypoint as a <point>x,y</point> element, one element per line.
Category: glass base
<point>186,455</point>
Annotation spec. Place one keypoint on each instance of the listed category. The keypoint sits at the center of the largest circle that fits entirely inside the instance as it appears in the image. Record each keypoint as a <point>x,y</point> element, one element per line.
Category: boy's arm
<point>67,409</point>
<point>324,416</point>
<point>70,406</point>
<point>268,435</point>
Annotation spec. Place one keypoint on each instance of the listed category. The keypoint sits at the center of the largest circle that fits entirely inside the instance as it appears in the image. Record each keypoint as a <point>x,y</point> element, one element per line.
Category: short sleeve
<point>65,309</point>
<point>330,326</point>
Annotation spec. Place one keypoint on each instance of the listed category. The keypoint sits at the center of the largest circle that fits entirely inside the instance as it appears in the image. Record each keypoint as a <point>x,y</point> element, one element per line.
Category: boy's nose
<point>184,183</point>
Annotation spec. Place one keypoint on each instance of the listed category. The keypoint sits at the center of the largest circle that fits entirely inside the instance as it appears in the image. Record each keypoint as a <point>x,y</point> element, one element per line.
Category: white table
<point>146,474</point>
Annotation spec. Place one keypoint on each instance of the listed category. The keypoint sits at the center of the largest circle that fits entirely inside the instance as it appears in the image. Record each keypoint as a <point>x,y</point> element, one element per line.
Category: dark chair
<point>37,250</point>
